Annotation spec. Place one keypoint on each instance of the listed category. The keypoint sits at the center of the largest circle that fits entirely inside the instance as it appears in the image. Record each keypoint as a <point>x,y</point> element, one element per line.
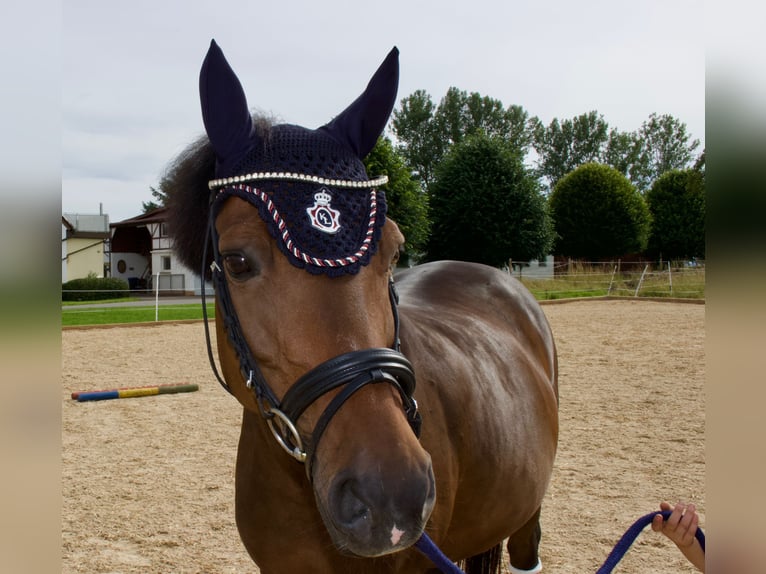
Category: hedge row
<point>94,288</point>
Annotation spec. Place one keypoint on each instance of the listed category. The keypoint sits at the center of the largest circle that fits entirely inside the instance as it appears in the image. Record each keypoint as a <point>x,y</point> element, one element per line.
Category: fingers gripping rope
<point>631,534</point>
<point>427,547</point>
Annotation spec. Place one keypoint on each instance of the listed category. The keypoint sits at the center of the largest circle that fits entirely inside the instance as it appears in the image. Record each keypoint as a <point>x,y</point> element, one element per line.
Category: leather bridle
<point>352,371</point>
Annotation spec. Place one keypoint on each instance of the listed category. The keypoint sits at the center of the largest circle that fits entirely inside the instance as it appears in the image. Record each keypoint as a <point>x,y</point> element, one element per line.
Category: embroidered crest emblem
<point>322,216</point>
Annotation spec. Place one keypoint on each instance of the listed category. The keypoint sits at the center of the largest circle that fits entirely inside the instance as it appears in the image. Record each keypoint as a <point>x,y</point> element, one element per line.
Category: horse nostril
<point>351,510</point>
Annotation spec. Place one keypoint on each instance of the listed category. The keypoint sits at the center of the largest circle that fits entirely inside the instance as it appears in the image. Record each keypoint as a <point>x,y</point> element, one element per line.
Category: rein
<point>427,546</point>
<point>352,371</point>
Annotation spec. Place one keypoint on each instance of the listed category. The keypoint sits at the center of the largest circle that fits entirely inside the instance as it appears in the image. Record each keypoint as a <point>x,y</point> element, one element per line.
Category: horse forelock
<point>188,200</point>
<point>185,183</point>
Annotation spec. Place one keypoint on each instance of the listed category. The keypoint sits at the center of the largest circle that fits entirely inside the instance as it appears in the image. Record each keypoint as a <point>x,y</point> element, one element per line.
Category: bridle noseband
<point>352,371</point>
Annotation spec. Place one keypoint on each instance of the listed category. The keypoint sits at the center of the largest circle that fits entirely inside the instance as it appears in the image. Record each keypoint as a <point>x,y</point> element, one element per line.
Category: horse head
<point>302,256</point>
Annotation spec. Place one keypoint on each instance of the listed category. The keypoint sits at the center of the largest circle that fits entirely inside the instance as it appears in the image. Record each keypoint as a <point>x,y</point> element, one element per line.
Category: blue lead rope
<point>427,546</point>
<point>631,534</point>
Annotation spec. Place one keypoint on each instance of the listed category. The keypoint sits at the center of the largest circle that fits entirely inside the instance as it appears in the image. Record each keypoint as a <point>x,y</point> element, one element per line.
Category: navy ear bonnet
<point>310,186</point>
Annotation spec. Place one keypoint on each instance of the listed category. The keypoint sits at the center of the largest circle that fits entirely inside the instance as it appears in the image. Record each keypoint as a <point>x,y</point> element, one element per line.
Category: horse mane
<point>187,196</point>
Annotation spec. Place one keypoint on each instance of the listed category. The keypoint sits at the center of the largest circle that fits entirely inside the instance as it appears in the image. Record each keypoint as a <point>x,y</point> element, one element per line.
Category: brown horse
<point>334,471</point>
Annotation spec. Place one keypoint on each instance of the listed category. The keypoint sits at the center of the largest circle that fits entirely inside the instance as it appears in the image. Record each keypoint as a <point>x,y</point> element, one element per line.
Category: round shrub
<point>94,289</point>
<point>677,204</point>
<point>598,214</point>
<point>487,206</point>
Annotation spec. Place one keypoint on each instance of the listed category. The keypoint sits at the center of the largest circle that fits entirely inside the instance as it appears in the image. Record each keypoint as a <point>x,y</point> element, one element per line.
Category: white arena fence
<point>679,279</point>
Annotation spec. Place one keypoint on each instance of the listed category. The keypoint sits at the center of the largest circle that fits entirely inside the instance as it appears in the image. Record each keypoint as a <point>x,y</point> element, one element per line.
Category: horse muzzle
<point>374,484</point>
<point>376,513</point>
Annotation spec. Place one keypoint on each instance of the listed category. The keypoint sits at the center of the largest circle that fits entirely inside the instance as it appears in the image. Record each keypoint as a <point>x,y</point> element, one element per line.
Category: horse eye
<point>238,266</point>
<point>395,258</point>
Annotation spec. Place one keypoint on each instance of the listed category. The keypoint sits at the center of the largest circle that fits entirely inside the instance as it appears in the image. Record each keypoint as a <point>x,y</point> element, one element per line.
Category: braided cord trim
<point>284,233</point>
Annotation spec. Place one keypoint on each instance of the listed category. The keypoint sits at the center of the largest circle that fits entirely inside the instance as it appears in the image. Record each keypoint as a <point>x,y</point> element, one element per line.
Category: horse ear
<point>360,124</point>
<point>224,110</point>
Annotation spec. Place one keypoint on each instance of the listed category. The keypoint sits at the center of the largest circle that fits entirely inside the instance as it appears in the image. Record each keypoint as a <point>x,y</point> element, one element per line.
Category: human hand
<point>681,525</point>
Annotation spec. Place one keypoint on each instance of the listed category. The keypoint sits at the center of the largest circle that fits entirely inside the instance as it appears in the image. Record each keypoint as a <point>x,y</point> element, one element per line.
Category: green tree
<point>415,129</point>
<point>665,146</point>
<point>461,114</point>
<point>623,152</point>
<point>563,146</point>
<point>597,214</point>
<point>699,163</point>
<point>486,206</point>
<point>676,202</point>
<point>407,203</point>
<point>159,199</point>
<point>426,132</point>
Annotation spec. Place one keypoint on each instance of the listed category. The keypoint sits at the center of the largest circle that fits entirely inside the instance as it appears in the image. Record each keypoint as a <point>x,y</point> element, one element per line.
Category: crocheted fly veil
<point>310,186</point>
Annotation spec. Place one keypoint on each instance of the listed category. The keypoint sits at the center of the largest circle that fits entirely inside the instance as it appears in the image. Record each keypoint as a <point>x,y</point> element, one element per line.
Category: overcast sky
<point>129,72</point>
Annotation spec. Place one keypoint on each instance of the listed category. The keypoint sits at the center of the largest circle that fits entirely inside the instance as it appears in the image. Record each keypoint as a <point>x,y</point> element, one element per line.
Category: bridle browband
<point>352,371</point>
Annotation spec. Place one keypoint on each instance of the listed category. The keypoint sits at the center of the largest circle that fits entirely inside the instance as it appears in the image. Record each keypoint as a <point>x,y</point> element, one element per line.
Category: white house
<point>84,245</point>
<point>537,268</point>
<point>142,254</point>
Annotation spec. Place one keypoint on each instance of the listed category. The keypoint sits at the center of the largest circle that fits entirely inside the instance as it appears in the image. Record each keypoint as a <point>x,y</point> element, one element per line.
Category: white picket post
<point>608,291</point>
<point>670,279</point>
<point>640,280</point>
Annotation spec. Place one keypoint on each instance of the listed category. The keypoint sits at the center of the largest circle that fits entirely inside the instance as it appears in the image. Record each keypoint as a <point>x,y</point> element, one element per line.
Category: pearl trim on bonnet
<point>299,177</point>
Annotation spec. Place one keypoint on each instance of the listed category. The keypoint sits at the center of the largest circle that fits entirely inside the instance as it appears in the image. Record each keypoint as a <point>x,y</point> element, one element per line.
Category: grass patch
<point>118,300</point>
<point>120,315</point>
<point>543,293</point>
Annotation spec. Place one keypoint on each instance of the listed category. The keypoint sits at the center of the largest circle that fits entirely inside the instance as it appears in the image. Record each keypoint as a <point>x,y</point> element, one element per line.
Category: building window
<point>166,262</point>
<point>163,229</point>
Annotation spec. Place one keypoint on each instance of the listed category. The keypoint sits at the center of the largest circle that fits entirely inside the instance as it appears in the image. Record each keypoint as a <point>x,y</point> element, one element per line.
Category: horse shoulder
<point>478,340</point>
<point>463,300</point>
